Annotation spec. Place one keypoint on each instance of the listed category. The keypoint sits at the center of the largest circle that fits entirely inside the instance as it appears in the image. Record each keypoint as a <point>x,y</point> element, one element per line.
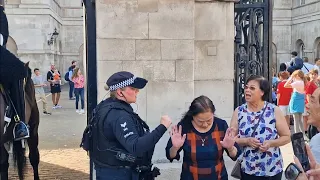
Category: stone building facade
<point>183,47</point>
<point>31,24</point>
<point>296,26</point>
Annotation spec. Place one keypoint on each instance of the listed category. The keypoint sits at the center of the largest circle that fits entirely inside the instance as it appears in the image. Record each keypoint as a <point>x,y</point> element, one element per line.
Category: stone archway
<point>300,47</point>
<point>317,47</point>
<point>12,46</point>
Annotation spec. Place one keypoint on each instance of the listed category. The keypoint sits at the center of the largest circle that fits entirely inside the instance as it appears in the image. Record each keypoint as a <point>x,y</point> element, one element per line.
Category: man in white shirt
<point>306,66</point>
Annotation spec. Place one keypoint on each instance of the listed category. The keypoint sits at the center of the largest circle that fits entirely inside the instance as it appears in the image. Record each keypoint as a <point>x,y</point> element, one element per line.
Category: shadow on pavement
<point>49,171</point>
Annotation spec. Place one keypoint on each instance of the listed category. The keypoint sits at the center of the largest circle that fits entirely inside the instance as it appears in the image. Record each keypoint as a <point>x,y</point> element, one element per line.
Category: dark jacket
<point>123,130</point>
<point>11,68</point>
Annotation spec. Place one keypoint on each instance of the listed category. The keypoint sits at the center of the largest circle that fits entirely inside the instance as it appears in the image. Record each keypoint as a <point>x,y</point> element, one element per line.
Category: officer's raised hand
<point>166,121</point>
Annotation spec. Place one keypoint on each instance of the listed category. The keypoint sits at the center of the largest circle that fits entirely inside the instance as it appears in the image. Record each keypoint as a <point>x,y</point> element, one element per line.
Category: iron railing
<point>252,43</point>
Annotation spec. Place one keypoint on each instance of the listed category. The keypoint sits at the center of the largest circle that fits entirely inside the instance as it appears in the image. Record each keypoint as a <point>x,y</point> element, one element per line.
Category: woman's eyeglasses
<point>292,172</point>
<point>251,88</point>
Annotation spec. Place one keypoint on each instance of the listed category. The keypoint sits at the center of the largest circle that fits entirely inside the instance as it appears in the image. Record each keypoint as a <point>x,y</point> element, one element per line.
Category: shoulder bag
<point>236,171</point>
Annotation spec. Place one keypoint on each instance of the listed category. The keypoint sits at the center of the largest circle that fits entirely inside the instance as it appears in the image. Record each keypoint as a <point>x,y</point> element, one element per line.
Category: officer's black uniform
<point>123,136</point>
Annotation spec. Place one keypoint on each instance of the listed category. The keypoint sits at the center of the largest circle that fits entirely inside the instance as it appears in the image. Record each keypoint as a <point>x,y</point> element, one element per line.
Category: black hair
<point>294,53</point>
<point>200,104</point>
<point>264,85</point>
<point>36,69</point>
<point>283,67</point>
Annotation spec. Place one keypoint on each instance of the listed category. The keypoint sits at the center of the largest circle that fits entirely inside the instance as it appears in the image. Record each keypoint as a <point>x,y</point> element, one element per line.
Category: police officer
<point>122,142</point>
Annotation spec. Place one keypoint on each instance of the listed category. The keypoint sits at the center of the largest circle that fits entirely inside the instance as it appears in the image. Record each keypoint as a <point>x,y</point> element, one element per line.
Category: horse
<point>32,120</point>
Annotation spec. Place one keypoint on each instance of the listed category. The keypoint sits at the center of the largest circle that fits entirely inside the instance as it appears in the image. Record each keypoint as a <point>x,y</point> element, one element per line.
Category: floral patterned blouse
<point>255,162</point>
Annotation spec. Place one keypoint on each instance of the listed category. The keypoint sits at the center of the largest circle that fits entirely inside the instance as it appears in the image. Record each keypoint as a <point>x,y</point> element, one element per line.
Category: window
<point>318,50</point>
<point>301,51</point>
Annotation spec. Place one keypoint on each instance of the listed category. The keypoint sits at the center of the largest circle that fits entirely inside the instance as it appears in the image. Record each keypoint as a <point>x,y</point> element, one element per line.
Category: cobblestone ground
<point>61,157</point>
<point>59,164</point>
<point>59,139</point>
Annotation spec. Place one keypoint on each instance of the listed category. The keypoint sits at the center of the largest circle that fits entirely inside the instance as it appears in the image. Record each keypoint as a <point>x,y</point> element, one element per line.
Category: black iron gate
<point>252,43</point>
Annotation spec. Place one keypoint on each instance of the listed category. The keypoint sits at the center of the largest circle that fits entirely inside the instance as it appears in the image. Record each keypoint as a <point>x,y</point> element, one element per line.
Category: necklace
<point>203,140</point>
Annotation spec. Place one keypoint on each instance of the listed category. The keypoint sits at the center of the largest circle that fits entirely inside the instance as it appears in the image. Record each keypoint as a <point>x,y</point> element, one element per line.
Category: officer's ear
<point>119,92</point>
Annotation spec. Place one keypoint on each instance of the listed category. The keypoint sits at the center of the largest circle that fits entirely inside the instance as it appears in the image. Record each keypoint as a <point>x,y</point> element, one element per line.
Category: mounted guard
<point>13,126</point>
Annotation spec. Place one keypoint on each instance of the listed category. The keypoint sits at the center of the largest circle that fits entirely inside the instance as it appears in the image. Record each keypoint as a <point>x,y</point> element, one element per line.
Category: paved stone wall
<point>281,34</point>
<point>294,24</point>
<point>306,27</point>
<point>31,22</point>
<point>184,48</point>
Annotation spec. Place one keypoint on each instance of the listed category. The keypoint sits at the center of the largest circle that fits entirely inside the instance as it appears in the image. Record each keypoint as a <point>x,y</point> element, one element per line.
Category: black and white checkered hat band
<point>122,84</point>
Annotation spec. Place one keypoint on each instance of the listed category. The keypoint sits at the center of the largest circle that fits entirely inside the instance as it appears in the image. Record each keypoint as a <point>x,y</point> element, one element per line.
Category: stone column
<point>183,47</point>
<point>281,30</point>
<point>214,54</point>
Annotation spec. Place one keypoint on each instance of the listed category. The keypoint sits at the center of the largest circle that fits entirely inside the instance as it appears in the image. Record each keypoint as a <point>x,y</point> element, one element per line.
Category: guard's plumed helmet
<point>4,31</point>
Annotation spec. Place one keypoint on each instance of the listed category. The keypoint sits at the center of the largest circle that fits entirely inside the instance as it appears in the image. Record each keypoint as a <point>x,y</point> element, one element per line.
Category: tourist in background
<point>307,67</point>
<point>296,63</point>
<point>71,84</point>
<point>39,83</point>
<point>55,87</point>
<point>317,64</point>
<point>297,81</point>
<point>311,86</point>
<point>283,67</point>
<point>78,80</point>
<point>284,95</point>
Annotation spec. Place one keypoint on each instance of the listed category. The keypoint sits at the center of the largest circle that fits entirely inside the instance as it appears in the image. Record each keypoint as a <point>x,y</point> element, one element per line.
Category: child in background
<point>56,77</point>
<point>78,80</point>
<point>284,95</point>
<point>297,82</point>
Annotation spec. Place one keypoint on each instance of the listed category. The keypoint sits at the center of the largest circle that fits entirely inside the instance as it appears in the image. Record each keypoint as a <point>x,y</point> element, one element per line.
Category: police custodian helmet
<point>123,79</point>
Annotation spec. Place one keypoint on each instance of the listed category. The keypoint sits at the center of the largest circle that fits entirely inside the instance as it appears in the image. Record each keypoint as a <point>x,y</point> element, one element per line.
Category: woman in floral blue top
<point>261,158</point>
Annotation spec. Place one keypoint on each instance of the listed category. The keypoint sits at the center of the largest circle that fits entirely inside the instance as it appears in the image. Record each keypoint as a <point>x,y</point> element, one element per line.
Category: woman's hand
<point>229,139</point>
<point>314,172</point>
<point>253,143</point>
<point>265,146</point>
<point>176,137</point>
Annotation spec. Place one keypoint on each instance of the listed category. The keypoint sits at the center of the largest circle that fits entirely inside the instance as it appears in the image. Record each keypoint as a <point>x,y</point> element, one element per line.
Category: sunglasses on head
<point>292,172</point>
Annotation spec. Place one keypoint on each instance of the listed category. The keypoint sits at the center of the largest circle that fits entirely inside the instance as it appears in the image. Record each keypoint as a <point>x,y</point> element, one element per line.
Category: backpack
<point>92,127</point>
<point>297,63</point>
<point>66,76</point>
